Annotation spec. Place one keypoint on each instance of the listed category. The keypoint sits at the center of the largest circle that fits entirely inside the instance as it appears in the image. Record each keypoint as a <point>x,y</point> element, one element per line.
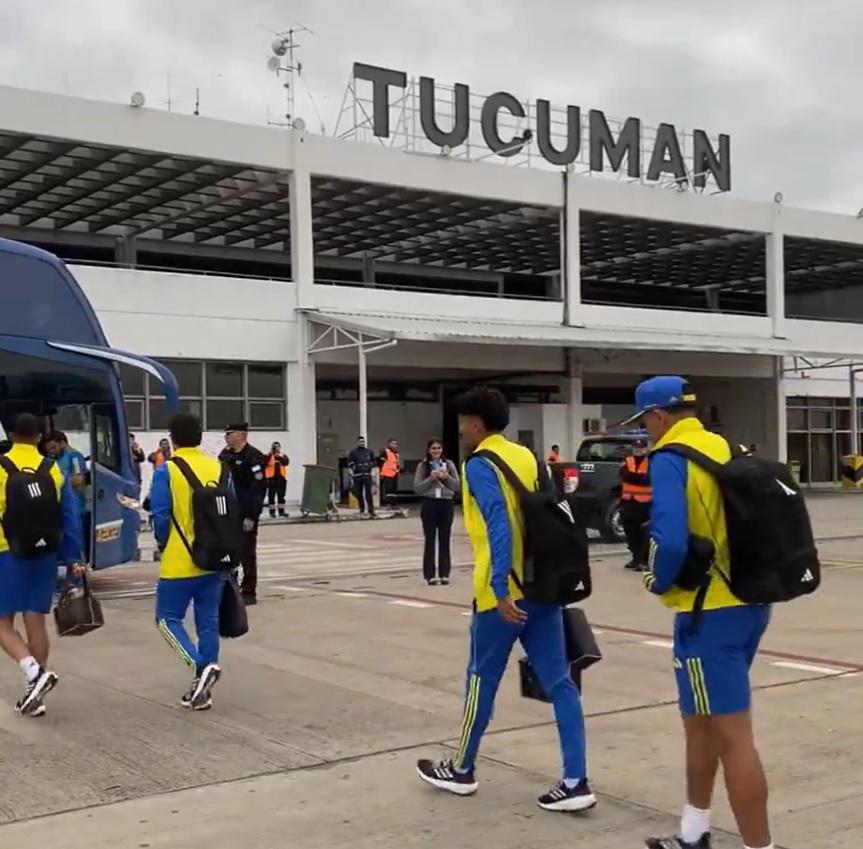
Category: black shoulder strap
<point>45,466</point>
<point>689,453</point>
<point>515,482</point>
<point>224,475</point>
<point>187,473</point>
<point>7,465</point>
<point>511,477</point>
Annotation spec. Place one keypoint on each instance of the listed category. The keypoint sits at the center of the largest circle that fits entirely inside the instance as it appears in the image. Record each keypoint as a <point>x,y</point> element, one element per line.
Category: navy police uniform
<point>250,484</point>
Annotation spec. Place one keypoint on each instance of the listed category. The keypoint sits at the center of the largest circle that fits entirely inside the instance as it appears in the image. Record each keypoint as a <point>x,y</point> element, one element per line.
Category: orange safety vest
<point>636,483</point>
<point>390,468</point>
<point>159,459</point>
<point>272,465</point>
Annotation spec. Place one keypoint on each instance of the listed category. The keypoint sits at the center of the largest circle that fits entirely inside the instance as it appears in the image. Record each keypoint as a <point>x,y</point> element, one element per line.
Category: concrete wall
<point>412,423</point>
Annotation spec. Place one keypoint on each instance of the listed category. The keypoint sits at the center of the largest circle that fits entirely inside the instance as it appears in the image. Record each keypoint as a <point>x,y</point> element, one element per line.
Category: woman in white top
<point>436,480</point>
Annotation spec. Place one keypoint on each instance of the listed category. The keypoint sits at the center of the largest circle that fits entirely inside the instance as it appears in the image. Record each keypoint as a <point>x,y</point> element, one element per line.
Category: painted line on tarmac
<point>807,667</point>
<point>843,666</point>
<point>659,644</point>
<point>406,602</point>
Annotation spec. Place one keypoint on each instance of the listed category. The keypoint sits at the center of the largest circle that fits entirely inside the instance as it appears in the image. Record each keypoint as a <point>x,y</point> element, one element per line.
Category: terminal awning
<point>415,328</point>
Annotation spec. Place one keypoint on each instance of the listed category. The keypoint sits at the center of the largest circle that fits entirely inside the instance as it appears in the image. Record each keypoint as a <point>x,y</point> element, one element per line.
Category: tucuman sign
<point>605,151</point>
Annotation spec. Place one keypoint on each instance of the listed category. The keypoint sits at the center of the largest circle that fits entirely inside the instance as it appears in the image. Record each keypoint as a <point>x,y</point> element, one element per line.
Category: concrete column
<point>363,394</point>
<point>302,413</point>
<point>575,407</point>
<point>777,414</point>
<point>368,269</point>
<point>571,256</point>
<point>126,251</point>
<point>775,279</point>
<point>302,243</point>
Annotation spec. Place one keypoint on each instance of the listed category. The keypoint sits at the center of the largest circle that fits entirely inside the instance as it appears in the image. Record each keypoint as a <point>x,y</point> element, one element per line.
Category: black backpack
<point>556,564</point>
<point>216,519</point>
<point>32,522</point>
<point>773,553</point>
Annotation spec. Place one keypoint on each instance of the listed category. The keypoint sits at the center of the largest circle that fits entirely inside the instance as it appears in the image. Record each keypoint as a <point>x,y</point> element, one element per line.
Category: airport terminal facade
<point>321,287</point>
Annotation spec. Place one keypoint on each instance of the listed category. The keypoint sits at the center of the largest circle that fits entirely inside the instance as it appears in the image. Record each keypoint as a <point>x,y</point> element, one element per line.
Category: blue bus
<point>55,362</point>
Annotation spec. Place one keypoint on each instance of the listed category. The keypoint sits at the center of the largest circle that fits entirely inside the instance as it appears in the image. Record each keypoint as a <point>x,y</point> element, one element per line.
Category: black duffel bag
<point>582,651</point>
<point>233,619</point>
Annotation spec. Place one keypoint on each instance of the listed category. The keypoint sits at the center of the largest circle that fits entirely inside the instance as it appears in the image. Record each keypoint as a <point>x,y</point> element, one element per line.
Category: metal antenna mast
<point>282,62</point>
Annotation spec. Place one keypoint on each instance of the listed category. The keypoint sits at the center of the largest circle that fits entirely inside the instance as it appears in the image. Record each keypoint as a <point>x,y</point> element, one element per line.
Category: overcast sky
<point>782,77</point>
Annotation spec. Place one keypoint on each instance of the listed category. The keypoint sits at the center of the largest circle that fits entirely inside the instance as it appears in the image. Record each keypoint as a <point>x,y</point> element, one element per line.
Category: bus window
<point>107,454</point>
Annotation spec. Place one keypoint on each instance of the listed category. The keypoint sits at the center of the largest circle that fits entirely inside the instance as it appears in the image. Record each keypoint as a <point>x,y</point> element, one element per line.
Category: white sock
<point>770,846</point>
<point>694,824</point>
<point>30,667</point>
<point>571,783</point>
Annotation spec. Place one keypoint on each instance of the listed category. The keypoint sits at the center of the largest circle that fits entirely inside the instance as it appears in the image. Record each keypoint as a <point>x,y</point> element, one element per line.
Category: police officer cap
<point>242,427</point>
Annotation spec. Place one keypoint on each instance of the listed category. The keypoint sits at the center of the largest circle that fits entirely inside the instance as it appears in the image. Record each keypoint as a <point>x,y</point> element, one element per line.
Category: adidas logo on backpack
<point>807,577</point>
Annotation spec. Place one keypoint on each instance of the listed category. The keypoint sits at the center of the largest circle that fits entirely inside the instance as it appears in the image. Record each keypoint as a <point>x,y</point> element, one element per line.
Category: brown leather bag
<point>78,611</point>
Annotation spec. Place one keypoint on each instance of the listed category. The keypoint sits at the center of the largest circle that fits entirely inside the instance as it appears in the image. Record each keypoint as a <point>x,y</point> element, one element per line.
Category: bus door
<point>112,519</point>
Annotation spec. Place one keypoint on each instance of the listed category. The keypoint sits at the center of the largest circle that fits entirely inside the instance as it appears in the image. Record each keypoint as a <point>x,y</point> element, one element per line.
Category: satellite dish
<point>137,99</point>
<point>274,63</point>
<point>778,197</point>
<point>280,47</point>
<point>298,124</point>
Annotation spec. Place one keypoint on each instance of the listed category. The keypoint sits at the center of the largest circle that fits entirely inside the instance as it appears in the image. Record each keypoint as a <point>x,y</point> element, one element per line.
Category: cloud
<point>781,78</point>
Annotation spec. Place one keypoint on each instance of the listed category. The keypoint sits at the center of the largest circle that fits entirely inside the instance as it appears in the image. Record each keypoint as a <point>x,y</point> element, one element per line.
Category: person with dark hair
<point>247,470</point>
<point>161,455</point>
<point>182,583</point>
<point>39,525</point>
<point>361,462</point>
<point>554,454</point>
<point>73,465</point>
<point>436,480</point>
<point>635,498</point>
<point>501,613</point>
<point>391,467</point>
<point>276,473</point>
<point>138,457</point>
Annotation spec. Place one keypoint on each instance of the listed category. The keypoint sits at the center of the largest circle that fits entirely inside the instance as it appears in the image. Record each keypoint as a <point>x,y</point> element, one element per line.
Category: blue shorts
<point>27,586</point>
<point>712,664</point>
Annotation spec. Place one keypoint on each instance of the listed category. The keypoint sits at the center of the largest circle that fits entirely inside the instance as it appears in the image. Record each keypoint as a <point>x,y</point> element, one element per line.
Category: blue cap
<point>666,392</point>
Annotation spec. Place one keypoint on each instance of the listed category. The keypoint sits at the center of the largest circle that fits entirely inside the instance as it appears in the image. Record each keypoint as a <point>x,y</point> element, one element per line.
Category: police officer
<point>247,469</point>
<point>635,500</point>
<point>361,462</point>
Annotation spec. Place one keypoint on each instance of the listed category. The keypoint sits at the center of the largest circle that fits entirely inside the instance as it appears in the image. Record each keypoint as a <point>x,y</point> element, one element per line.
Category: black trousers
<point>634,515</point>
<point>389,487</point>
<point>277,486</point>
<point>249,557</point>
<point>437,515</point>
<point>363,492</point>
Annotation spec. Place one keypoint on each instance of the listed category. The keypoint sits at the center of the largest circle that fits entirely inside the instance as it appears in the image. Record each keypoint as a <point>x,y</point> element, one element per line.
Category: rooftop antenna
<point>283,62</point>
<point>197,101</point>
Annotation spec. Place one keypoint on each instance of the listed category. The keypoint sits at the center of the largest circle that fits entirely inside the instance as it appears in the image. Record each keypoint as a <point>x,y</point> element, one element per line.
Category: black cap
<point>243,427</point>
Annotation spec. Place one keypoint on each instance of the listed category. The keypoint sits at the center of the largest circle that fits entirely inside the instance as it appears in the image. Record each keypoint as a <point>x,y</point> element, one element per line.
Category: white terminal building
<point>322,287</point>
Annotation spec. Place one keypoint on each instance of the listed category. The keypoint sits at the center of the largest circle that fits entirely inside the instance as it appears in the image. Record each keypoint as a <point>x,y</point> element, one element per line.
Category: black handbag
<point>233,620</point>
<point>78,611</point>
<point>581,652</point>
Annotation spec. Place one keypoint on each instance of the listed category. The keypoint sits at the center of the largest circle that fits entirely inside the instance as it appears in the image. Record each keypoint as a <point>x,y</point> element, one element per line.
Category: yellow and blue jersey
<point>72,463</point>
<point>493,520</point>
<point>687,500</point>
<point>71,544</point>
<point>171,496</point>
